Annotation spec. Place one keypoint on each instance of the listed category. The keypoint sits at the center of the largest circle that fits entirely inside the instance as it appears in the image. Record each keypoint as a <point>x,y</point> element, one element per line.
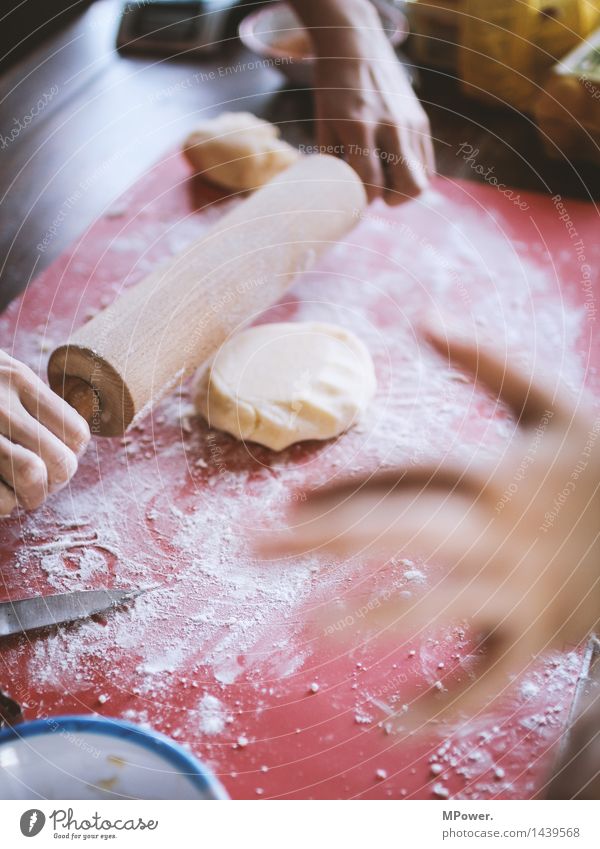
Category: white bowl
<point>82,757</point>
<point>267,30</point>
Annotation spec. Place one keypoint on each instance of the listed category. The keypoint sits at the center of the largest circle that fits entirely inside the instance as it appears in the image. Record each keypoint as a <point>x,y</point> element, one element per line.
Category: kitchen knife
<point>42,611</point>
<point>576,774</point>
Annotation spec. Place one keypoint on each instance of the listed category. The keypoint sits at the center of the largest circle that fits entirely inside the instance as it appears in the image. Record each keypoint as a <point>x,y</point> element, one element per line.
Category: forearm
<point>337,26</point>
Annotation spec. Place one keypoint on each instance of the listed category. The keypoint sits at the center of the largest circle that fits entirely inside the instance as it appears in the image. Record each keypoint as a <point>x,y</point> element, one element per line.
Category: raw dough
<point>238,151</point>
<point>277,384</point>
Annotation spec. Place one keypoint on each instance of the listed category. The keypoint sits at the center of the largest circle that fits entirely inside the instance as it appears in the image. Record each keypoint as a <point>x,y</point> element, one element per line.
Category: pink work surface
<point>224,652</point>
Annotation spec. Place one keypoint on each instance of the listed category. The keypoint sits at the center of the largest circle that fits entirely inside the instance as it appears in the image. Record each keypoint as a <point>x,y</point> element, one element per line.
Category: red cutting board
<point>222,652</point>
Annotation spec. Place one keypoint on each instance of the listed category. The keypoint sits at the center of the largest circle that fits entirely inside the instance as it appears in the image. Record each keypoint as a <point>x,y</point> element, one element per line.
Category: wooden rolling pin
<point>121,362</point>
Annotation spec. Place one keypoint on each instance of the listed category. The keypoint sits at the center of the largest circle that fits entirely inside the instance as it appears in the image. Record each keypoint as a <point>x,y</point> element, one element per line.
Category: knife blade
<point>43,611</point>
<point>575,774</point>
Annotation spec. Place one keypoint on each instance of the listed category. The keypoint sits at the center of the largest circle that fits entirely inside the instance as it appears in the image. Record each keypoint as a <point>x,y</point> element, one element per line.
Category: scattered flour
<point>173,507</point>
<point>212,715</point>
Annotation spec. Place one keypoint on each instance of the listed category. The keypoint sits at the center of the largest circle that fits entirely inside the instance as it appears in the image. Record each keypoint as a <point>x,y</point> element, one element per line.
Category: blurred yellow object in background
<point>508,47</point>
<point>502,50</point>
<point>434,32</point>
<point>568,110</point>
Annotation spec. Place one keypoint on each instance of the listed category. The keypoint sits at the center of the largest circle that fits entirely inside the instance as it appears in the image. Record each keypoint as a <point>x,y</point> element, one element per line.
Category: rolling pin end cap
<point>103,401</point>
<point>81,395</point>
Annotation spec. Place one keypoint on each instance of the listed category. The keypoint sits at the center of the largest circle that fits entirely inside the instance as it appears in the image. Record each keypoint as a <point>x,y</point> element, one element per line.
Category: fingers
<point>404,167</point>
<point>325,135</point>
<point>473,690</point>
<point>429,514</point>
<point>441,476</point>
<point>24,472</point>
<point>503,652</point>
<point>8,500</point>
<point>59,460</point>
<point>40,436</point>
<point>499,645</point>
<point>427,152</point>
<point>53,412</point>
<point>529,401</point>
<point>361,523</point>
<point>360,147</point>
<point>355,140</point>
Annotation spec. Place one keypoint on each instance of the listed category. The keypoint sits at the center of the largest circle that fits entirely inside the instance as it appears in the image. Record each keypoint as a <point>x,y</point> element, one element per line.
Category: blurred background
<point>92,93</point>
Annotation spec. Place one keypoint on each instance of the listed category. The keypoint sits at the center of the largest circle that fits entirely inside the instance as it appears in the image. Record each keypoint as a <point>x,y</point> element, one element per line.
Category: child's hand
<point>521,537</point>
<point>41,437</point>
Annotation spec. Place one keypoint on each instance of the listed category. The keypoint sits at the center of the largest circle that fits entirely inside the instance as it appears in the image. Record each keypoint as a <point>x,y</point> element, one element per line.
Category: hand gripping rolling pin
<point>121,362</point>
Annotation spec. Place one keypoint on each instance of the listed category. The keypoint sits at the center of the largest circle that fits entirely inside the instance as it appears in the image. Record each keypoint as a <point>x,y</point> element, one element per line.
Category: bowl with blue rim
<point>93,757</point>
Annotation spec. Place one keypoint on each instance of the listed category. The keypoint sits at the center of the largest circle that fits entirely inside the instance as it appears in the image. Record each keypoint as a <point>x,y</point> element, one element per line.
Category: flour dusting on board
<point>212,715</point>
<point>220,640</point>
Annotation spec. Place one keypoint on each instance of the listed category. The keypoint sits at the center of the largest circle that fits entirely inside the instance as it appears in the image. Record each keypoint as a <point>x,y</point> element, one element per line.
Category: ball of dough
<point>277,384</point>
<point>238,151</point>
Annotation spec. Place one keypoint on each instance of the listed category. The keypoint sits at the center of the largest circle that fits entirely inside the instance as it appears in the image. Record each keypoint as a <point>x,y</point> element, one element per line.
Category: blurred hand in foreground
<point>520,538</point>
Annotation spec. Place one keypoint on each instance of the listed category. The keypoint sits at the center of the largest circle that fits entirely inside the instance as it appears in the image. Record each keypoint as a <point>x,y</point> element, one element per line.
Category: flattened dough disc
<point>281,383</point>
